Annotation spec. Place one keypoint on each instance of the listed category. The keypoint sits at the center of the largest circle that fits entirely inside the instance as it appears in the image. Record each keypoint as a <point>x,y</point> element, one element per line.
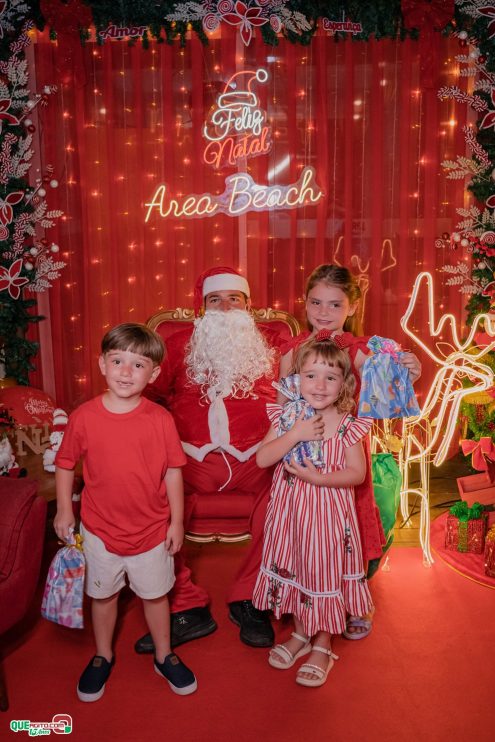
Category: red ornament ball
<point>31,128</point>
<point>28,406</point>
<point>445,236</point>
<point>482,59</point>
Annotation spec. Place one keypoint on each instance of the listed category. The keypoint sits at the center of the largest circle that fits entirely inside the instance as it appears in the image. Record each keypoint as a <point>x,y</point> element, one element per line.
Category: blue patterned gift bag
<point>386,389</point>
<point>313,450</point>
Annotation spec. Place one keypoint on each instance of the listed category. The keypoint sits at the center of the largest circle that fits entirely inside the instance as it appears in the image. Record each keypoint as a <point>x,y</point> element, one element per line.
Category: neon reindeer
<point>426,438</point>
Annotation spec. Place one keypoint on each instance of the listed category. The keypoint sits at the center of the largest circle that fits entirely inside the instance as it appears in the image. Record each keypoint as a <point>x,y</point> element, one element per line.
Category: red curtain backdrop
<point>127,119</point>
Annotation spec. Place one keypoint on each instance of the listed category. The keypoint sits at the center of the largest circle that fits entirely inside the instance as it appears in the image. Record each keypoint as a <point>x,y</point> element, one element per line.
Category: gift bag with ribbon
<point>386,389</point>
<point>64,589</point>
<point>465,529</point>
<point>387,481</point>
<point>312,450</point>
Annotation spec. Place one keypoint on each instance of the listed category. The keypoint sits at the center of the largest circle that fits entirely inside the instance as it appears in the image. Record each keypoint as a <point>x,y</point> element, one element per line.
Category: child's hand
<point>62,524</point>
<point>308,473</point>
<point>311,429</point>
<point>411,362</point>
<point>174,538</point>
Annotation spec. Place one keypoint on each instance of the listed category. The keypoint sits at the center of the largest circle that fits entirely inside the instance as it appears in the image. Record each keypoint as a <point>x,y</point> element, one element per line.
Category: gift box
<point>386,388</point>
<point>479,487</point>
<point>465,529</point>
<point>490,552</point>
<point>476,488</point>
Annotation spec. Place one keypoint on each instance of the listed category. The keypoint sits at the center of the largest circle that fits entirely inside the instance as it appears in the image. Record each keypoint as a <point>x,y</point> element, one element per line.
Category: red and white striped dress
<point>312,564</point>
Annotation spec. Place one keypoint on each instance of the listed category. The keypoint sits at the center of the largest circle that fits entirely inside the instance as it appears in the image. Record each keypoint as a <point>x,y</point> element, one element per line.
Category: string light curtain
<point>127,119</point>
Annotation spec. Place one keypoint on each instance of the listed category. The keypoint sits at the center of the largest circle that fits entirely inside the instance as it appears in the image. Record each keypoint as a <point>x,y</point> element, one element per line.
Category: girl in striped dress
<point>312,565</point>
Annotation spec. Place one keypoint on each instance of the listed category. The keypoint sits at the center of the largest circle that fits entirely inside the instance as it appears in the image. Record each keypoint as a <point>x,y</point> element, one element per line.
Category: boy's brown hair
<point>135,338</point>
<point>330,353</point>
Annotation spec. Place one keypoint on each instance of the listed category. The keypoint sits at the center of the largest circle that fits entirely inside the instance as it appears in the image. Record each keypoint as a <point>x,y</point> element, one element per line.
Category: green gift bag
<point>387,480</point>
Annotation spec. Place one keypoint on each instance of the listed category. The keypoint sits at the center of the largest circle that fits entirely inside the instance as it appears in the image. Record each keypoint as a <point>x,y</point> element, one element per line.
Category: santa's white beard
<point>227,354</point>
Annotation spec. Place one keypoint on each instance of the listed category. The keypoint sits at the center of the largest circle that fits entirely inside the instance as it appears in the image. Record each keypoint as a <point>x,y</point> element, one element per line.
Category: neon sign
<point>344,26</point>
<point>236,129</point>
<point>237,126</point>
<point>241,194</point>
<point>120,32</point>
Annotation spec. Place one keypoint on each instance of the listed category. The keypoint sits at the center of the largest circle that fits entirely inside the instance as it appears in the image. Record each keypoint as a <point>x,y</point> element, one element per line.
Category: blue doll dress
<point>386,388</point>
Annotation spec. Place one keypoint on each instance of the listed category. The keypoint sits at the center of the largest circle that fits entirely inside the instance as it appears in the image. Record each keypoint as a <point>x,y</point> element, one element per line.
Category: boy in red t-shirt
<point>132,502</point>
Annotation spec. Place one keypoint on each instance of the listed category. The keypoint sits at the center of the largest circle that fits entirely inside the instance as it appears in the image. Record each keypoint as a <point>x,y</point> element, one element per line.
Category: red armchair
<point>221,516</point>
<point>22,531</point>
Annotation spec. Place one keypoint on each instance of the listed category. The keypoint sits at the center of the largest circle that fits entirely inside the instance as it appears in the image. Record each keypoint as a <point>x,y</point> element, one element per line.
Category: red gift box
<point>490,552</point>
<point>466,536</point>
<point>476,488</point>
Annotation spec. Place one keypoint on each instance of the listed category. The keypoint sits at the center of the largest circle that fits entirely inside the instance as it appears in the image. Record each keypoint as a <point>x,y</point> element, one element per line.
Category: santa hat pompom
<point>220,278</point>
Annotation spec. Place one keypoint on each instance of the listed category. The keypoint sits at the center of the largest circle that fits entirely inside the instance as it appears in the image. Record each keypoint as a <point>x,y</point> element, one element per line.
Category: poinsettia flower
<point>489,11</point>
<point>5,104</point>
<point>6,212</point>
<point>10,279</point>
<point>246,18</point>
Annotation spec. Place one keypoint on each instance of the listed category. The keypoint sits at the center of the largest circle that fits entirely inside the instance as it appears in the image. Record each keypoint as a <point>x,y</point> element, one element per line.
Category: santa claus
<point>216,381</point>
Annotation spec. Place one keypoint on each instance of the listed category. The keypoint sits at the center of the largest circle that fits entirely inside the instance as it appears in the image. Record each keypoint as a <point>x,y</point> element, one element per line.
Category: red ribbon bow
<point>480,451</point>
<point>322,335</point>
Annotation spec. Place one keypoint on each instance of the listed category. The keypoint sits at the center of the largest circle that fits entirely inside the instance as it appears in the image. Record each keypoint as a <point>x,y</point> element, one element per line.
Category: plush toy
<point>60,419</point>
<point>8,465</point>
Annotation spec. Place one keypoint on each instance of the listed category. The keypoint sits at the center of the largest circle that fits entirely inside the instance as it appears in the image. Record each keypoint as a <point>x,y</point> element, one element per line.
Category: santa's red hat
<point>220,278</point>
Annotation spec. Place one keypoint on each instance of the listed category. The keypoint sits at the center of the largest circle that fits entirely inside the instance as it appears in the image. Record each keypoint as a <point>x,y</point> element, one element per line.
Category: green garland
<point>480,425</point>
<point>378,18</point>
<point>16,314</point>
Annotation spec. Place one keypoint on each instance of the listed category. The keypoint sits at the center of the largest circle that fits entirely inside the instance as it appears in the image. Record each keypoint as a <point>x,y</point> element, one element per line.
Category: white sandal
<point>321,675</point>
<point>286,658</point>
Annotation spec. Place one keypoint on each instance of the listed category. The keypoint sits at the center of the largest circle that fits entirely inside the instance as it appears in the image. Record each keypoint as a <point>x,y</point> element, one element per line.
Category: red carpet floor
<point>425,674</point>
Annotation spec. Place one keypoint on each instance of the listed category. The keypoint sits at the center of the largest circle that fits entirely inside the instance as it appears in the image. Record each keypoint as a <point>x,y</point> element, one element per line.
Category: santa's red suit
<point>234,426</point>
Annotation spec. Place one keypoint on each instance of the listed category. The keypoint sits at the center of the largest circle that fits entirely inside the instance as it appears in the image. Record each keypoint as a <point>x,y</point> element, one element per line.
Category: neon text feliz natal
<point>241,195</point>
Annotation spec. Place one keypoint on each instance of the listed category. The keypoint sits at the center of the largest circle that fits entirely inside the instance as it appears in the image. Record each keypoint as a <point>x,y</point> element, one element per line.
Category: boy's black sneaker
<point>184,627</point>
<point>91,684</point>
<point>180,678</point>
<point>256,629</point>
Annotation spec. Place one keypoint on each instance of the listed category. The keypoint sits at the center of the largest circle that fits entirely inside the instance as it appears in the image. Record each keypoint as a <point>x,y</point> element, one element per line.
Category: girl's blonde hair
<point>330,353</point>
<point>342,278</point>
